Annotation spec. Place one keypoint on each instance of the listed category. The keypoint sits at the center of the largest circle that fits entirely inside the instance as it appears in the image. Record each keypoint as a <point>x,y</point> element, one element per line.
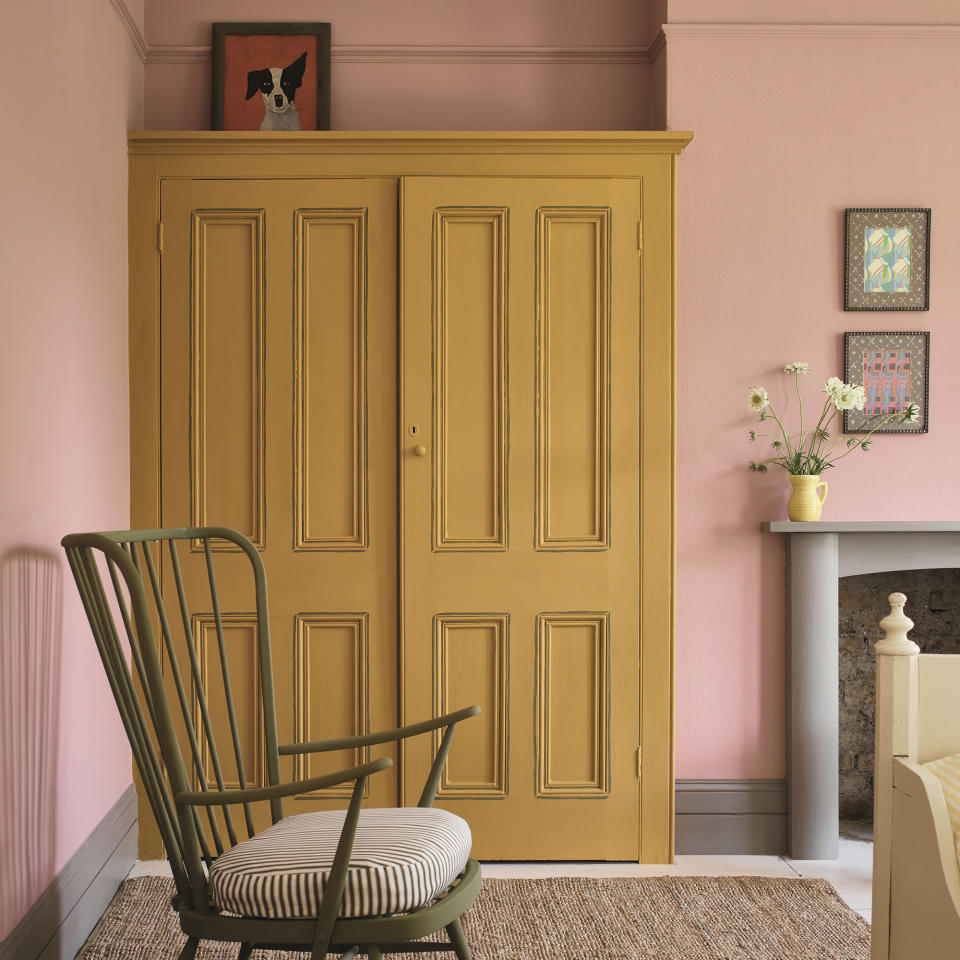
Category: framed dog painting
<point>271,76</point>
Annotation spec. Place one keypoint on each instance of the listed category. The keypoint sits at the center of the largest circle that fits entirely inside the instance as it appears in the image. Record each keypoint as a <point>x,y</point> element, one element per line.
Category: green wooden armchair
<point>347,882</point>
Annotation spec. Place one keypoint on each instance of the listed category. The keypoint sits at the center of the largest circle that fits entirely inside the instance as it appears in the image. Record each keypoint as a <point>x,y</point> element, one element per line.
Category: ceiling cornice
<point>132,28</point>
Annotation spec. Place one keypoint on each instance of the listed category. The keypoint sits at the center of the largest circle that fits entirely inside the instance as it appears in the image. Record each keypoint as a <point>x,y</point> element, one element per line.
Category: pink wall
<point>437,96</point>
<point>850,12</point>
<point>791,128</point>
<point>63,431</point>
<point>467,92</point>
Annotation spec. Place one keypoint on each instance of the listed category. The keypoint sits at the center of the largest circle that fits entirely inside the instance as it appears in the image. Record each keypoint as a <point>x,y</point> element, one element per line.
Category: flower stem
<point>796,383</point>
<point>786,437</point>
<point>886,419</point>
<point>823,429</point>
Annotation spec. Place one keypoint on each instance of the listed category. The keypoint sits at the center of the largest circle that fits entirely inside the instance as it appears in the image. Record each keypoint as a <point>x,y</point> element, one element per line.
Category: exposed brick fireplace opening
<point>933,603</point>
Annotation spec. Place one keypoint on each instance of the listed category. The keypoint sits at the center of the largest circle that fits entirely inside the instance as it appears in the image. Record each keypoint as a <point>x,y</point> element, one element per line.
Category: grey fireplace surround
<point>818,554</point>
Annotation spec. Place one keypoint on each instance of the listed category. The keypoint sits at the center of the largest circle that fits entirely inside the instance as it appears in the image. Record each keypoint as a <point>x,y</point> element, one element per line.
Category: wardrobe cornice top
<point>334,142</point>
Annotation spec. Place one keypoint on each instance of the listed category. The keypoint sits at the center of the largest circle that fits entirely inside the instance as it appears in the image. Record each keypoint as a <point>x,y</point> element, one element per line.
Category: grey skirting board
<point>731,816</point>
<point>55,927</point>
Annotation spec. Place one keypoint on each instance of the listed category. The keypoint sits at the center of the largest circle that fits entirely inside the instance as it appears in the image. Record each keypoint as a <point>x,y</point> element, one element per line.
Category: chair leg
<point>245,950</point>
<point>458,940</point>
<point>189,950</point>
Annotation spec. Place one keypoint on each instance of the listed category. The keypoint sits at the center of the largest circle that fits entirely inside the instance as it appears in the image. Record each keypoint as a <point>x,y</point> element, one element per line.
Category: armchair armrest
<point>218,798</point>
<point>448,720</point>
<point>382,736</point>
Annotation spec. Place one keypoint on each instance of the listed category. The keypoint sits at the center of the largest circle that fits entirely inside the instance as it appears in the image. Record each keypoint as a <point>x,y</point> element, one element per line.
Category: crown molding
<point>811,31</point>
<point>132,28</point>
<point>657,46</point>
<point>374,142</point>
<point>172,53</point>
<point>443,53</point>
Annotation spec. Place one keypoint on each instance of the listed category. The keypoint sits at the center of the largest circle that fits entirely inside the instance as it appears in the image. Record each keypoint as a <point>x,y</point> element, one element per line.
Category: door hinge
<point>159,238</point>
<point>638,763</point>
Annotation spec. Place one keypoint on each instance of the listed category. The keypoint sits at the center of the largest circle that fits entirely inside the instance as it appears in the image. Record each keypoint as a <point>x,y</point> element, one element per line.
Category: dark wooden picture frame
<point>896,355</point>
<point>887,258</point>
<point>242,50</point>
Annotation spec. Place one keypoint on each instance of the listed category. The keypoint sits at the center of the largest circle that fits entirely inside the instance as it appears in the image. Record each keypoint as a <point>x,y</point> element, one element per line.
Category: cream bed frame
<point>916,877</point>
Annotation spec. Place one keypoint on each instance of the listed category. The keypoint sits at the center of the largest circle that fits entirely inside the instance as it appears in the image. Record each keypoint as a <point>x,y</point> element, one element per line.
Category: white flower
<point>798,367</point>
<point>846,399</point>
<point>833,387</point>
<point>911,412</point>
<point>859,398</point>
<point>758,399</point>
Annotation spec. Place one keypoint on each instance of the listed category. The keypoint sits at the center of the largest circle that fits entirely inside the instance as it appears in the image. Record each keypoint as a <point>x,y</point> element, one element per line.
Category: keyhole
<point>414,429</point>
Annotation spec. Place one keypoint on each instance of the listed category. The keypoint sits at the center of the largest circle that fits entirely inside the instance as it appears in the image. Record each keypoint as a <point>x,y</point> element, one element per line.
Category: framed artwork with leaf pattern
<point>894,369</point>
<point>887,264</point>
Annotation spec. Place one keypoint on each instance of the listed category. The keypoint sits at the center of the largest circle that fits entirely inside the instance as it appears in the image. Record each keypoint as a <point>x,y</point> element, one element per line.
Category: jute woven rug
<point>571,918</point>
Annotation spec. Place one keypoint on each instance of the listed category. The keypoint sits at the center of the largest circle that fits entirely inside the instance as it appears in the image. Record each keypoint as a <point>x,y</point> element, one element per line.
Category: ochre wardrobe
<point>431,375</point>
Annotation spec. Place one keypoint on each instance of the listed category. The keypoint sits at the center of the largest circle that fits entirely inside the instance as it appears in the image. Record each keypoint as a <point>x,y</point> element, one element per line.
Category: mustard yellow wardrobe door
<point>520,567</point>
<point>278,412</point>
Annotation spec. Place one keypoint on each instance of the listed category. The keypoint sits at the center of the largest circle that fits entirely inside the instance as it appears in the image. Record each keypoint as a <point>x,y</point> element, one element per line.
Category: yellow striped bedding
<point>947,771</point>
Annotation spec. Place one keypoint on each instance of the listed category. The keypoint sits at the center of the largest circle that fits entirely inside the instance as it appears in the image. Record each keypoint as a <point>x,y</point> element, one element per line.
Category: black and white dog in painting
<point>278,87</point>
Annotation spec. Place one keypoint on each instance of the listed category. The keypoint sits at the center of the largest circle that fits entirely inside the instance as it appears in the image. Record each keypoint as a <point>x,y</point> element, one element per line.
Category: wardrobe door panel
<point>520,544</point>
<point>278,412</point>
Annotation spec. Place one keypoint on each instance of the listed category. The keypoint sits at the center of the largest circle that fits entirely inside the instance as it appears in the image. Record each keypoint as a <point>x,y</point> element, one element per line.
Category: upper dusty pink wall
<point>423,92</point>
<point>814,11</point>
<point>64,759</point>
<point>791,128</point>
<point>555,22</point>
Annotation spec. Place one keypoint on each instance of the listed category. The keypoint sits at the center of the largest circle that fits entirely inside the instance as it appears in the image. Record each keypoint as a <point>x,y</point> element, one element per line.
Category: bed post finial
<point>896,625</point>
<point>896,736</point>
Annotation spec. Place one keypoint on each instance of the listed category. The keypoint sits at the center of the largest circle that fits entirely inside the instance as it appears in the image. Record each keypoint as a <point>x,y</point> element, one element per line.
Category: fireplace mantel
<point>818,554</point>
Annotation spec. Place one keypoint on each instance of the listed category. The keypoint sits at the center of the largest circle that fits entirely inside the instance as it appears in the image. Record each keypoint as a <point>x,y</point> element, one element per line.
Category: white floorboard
<point>850,874</point>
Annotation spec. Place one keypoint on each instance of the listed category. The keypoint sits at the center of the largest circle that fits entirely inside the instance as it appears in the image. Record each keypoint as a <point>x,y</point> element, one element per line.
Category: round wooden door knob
<point>419,450</point>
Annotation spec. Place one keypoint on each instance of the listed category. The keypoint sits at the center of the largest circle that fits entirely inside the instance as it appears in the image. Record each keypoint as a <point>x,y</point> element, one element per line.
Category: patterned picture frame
<point>887,262</point>
<point>894,369</point>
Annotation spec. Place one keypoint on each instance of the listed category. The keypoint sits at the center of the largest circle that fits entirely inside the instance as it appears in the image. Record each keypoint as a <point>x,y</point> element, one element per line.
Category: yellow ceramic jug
<point>805,503</point>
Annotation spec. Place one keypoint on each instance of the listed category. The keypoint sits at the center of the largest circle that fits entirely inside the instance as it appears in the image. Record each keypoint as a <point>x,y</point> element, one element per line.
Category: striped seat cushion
<point>402,859</point>
<point>947,771</point>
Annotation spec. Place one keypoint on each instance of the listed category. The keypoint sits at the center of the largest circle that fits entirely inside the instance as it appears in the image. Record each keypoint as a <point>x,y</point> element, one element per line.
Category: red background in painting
<point>243,54</point>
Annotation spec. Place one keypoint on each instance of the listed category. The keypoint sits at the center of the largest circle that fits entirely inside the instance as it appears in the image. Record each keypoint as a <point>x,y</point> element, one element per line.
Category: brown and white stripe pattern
<point>402,859</point>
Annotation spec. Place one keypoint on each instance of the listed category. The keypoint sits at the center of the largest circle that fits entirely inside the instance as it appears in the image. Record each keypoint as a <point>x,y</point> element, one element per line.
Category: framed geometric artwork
<point>894,369</point>
<point>887,263</point>
<point>271,76</point>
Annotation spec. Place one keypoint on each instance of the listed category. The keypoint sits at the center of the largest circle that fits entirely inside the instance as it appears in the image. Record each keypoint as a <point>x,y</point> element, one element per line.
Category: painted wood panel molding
<point>228,412</point>
<point>330,361</point>
<point>470,378</point>
<point>331,692</point>
<point>471,664</point>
